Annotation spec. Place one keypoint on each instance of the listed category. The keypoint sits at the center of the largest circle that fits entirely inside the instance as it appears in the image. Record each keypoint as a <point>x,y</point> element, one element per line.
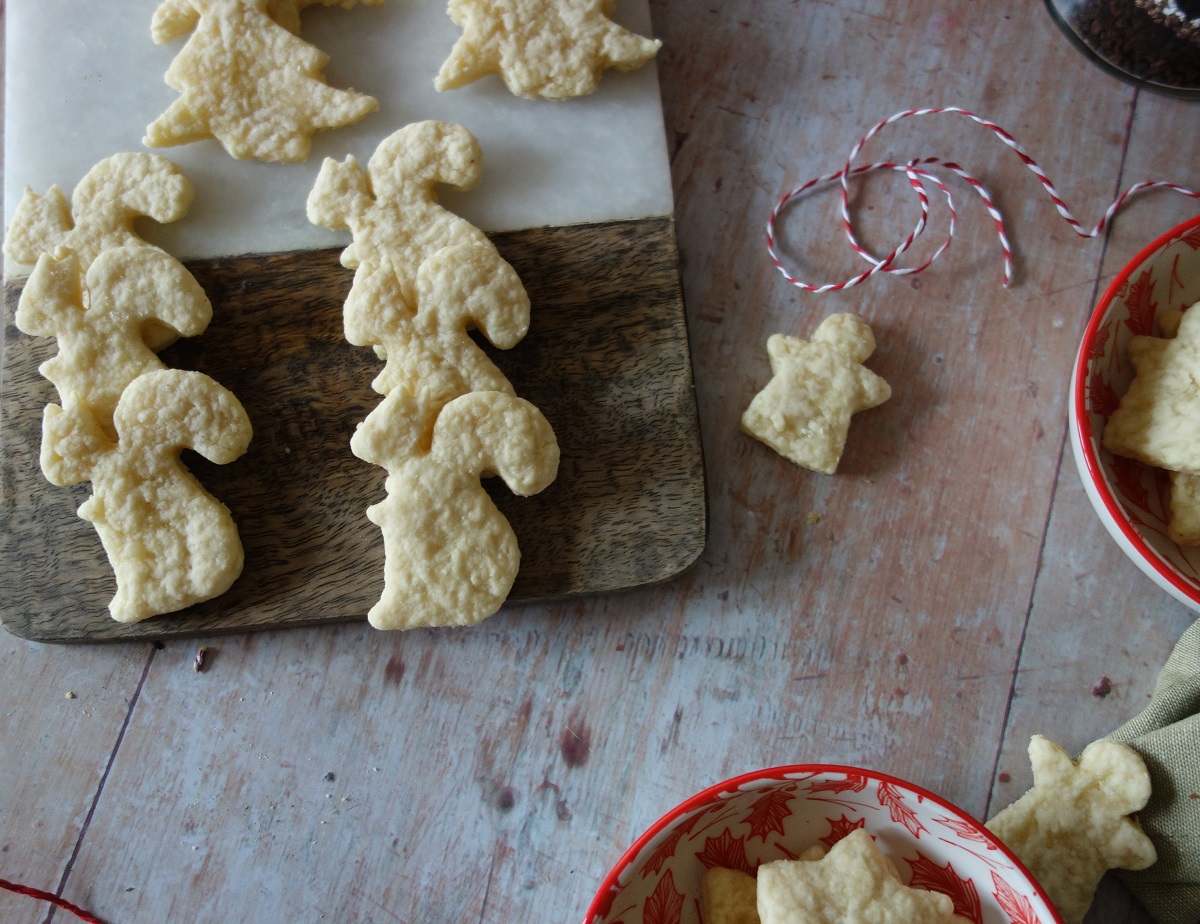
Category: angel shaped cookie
<point>1074,824</point>
<point>804,411</point>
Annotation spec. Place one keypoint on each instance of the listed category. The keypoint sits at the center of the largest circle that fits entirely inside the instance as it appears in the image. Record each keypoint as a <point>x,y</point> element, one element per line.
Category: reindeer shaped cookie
<point>450,555</point>
<point>393,213</point>
<point>170,542</point>
<point>101,328</point>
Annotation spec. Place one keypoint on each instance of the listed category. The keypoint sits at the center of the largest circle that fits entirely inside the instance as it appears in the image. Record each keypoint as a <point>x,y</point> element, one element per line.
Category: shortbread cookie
<point>100,326</point>
<point>450,555</point>
<point>100,216</point>
<point>103,207</point>
<point>393,213</point>
<point>1183,524</point>
<point>804,411</point>
<point>246,81</point>
<point>170,543</point>
<point>1074,824</point>
<point>432,355</point>
<point>1158,418</point>
<point>729,896</point>
<point>542,49</point>
<point>853,884</point>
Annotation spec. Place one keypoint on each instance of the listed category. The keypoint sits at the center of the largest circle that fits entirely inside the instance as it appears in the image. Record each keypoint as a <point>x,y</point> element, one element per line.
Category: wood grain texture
<point>606,360</point>
<point>951,593</point>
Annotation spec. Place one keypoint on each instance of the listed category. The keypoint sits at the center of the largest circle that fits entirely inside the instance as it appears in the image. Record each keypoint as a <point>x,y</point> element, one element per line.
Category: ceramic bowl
<point>775,814</point>
<point>1133,499</point>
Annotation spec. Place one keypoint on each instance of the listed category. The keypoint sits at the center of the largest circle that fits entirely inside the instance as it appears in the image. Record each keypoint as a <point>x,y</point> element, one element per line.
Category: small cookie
<point>170,543</point>
<point>450,556</point>
<point>101,328</point>
<point>729,896</point>
<point>804,411</point>
<point>1183,524</point>
<point>543,49</point>
<point>1074,824</point>
<point>853,884</point>
<point>246,81</point>
<point>1158,418</point>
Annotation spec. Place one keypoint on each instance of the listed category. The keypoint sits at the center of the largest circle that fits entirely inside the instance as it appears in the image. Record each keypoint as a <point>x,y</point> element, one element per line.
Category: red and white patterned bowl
<point>1133,499</point>
<point>775,814</point>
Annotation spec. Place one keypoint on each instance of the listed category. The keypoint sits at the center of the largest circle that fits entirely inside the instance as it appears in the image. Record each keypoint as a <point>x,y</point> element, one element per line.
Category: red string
<point>51,898</point>
<point>917,176</point>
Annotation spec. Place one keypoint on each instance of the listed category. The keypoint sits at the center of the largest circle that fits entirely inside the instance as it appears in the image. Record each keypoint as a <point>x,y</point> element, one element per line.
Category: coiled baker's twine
<point>918,175</point>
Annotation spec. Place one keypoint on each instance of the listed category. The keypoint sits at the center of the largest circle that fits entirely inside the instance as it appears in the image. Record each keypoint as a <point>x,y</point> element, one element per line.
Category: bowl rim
<point>781,774</point>
<point>1084,423</point>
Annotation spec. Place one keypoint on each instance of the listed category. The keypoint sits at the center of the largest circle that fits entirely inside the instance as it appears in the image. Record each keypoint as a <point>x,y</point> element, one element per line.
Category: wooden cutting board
<point>606,358</point>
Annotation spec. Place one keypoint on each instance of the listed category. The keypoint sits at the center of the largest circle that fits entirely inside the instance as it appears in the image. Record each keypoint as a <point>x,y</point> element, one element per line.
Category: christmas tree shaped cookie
<point>804,411</point>
<point>543,49</point>
<point>246,81</point>
<point>855,883</point>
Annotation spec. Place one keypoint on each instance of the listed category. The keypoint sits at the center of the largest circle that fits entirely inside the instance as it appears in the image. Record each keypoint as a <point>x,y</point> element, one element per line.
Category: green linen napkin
<point>1167,736</point>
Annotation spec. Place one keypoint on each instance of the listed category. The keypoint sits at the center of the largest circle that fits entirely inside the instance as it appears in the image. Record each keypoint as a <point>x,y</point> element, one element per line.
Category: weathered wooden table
<point>945,595</point>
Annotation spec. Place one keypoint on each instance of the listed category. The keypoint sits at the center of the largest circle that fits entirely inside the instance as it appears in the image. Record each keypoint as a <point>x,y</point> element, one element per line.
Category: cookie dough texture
<point>542,49</point>
<point>450,556</point>
<point>729,896</point>
<point>247,81</point>
<point>804,411</point>
<point>1074,824</point>
<point>853,884</point>
<point>1158,418</point>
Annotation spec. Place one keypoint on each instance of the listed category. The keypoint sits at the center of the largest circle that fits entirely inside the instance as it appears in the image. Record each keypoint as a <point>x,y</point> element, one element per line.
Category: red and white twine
<point>918,175</point>
<point>50,897</point>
